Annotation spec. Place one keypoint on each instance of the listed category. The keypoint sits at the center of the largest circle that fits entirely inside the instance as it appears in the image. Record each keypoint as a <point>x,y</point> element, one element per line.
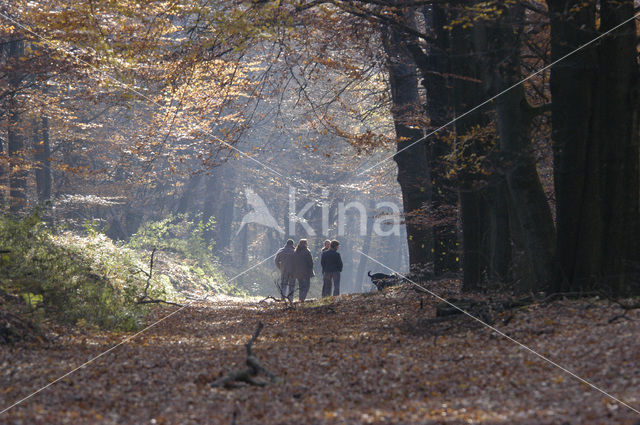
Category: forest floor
<point>353,359</point>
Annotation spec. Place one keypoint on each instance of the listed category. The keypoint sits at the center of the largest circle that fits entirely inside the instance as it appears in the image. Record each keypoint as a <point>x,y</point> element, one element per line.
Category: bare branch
<point>254,368</point>
<point>145,298</point>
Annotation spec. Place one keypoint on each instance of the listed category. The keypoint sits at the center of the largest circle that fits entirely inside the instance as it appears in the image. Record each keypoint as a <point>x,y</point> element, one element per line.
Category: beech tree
<point>595,132</point>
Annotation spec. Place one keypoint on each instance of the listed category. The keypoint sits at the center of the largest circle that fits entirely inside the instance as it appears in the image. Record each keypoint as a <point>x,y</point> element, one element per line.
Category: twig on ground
<point>626,307</point>
<point>254,368</point>
<point>234,417</point>
<point>286,299</point>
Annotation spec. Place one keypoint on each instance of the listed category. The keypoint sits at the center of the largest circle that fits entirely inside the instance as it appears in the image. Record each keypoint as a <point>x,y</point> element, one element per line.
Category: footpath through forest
<point>355,359</point>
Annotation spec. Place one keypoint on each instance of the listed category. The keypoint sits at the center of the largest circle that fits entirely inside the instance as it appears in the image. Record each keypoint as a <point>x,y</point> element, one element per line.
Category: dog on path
<point>383,281</point>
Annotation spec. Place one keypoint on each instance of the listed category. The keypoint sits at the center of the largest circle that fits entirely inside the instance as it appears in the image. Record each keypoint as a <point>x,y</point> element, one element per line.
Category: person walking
<point>327,245</point>
<point>284,263</point>
<point>331,268</point>
<point>303,268</point>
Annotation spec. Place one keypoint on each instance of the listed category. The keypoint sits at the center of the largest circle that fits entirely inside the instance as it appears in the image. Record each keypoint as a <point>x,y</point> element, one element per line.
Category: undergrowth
<point>84,278</point>
<point>186,259</point>
<point>69,278</point>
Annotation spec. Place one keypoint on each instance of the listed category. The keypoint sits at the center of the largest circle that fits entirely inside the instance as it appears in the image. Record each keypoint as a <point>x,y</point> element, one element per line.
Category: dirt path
<point>357,359</point>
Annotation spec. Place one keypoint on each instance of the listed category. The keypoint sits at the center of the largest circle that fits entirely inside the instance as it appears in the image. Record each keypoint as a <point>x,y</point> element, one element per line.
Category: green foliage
<point>67,277</point>
<point>176,233</point>
<point>190,260</point>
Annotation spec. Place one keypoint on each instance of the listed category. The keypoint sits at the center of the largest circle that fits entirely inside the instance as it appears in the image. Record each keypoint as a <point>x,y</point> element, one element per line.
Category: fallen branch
<point>286,299</point>
<point>145,298</point>
<point>254,368</point>
<point>14,328</point>
<point>626,307</point>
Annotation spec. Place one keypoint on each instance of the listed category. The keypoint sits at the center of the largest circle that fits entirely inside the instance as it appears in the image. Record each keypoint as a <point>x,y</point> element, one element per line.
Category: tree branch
<point>254,368</point>
<point>145,298</point>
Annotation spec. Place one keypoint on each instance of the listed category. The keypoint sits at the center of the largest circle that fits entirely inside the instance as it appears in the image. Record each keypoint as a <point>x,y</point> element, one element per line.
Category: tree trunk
<point>529,200</point>
<point>185,202</point>
<point>578,215</point>
<point>211,205</point>
<point>2,175</point>
<point>474,209</point>
<point>514,115</point>
<point>499,250</point>
<point>414,175</point>
<point>595,134</point>
<point>17,174</point>
<point>42,156</point>
<point>435,68</point>
<point>618,136</point>
<point>362,264</point>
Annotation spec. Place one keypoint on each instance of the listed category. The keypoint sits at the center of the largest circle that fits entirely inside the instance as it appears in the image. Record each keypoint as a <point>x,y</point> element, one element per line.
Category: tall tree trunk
<point>514,115</point>
<point>185,202</point>
<point>500,249</point>
<point>224,231</point>
<point>3,173</point>
<point>619,101</point>
<point>42,156</point>
<point>362,264</point>
<point>595,133</point>
<point>414,175</point>
<point>435,67</point>
<point>244,245</point>
<point>17,174</point>
<point>576,170</point>
<point>211,205</point>
<point>474,209</point>
<point>529,200</point>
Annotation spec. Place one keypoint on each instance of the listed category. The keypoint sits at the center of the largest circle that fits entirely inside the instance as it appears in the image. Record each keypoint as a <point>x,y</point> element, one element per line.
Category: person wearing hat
<point>331,268</point>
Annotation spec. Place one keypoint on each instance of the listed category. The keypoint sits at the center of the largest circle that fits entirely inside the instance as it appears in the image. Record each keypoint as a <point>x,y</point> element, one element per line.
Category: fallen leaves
<point>347,360</point>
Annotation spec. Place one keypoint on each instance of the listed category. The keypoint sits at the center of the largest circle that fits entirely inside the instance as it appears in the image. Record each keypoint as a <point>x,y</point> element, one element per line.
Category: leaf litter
<point>353,359</point>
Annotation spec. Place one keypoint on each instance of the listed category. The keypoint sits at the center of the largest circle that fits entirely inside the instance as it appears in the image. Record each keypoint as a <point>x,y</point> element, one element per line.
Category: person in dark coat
<point>284,263</point>
<point>331,268</point>
<point>303,267</point>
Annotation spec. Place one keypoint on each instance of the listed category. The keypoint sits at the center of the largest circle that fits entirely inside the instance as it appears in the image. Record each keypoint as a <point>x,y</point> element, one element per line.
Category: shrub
<point>188,257</point>
<point>67,277</point>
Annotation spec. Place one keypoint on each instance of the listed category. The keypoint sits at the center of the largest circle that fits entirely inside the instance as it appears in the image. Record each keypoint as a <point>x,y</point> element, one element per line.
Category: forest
<point>474,164</point>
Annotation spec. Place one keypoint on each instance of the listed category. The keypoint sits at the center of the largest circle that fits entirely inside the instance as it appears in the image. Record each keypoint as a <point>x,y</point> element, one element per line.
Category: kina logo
<point>259,213</point>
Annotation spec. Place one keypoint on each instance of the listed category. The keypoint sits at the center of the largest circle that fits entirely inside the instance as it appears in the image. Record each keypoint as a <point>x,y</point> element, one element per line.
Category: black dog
<point>382,281</point>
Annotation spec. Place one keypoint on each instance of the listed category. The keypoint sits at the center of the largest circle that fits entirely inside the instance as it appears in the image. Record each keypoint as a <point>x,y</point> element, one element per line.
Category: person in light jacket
<point>331,268</point>
<point>303,268</point>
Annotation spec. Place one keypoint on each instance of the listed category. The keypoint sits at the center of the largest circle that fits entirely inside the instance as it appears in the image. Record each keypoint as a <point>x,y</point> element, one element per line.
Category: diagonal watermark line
<point>127,339</point>
<point>491,99</point>
<point>131,89</point>
<point>546,359</point>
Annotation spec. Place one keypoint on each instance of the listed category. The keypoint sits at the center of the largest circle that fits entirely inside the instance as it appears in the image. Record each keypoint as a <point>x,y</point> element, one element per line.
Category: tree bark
<point>414,175</point>
<point>3,173</point>
<point>434,68</point>
<point>500,248</point>
<point>474,208</point>
<point>514,115</point>
<point>42,156</point>
<point>595,134</point>
<point>185,203</point>
<point>362,264</point>
<point>619,95</point>
<point>578,215</point>
<point>17,174</point>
